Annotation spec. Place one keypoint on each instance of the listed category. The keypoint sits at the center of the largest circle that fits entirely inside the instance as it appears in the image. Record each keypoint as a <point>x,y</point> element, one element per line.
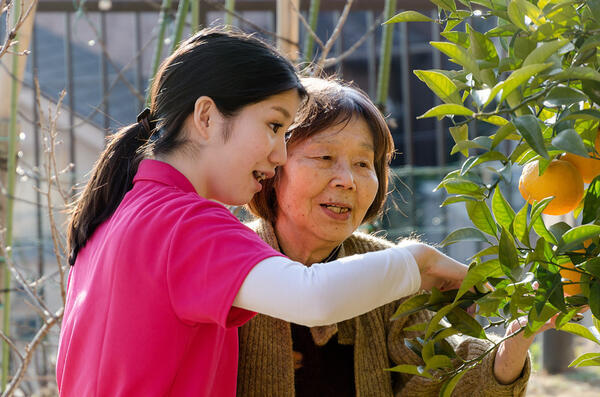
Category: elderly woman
<point>334,180</point>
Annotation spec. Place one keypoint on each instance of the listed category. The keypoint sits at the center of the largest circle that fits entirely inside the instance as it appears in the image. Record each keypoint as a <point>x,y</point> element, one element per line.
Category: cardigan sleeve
<point>477,382</point>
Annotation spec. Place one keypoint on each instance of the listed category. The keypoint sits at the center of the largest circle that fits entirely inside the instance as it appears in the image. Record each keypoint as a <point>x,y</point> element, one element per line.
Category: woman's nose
<point>278,155</point>
<point>343,176</point>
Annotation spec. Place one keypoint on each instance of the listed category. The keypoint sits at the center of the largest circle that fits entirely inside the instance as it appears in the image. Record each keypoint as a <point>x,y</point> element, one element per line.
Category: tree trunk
<point>287,28</point>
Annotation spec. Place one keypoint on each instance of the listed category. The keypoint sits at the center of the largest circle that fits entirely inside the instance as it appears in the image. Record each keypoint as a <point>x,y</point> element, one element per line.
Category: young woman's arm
<point>327,293</point>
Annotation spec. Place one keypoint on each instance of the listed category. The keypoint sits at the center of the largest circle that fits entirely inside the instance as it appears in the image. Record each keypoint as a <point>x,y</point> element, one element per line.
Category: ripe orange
<point>560,180</point>
<point>573,276</point>
<point>589,168</point>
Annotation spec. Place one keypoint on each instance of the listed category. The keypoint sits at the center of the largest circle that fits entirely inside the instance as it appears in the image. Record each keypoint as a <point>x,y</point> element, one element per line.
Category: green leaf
<point>529,128</point>
<point>483,158</point>
<point>577,235</point>
<point>411,305</point>
<point>502,133</point>
<point>503,212</point>
<point>516,78</point>
<point>447,110</point>
<point>591,202</point>
<point>493,250</point>
<point>495,120</point>
<point>585,114</point>
<point>438,361</point>
<point>408,16</point>
<point>448,5</point>
<point>458,55</point>
<point>411,369</point>
<point>460,38</point>
<point>482,47</point>
<point>480,215</point>
<point>465,146</point>
<point>464,323</point>
<point>560,96</point>
<point>586,360</point>
<point>594,298</point>
<point>516,15</point>
<point>592,89</point>
<point>579,330</point>
<point>543,52</point>
<point>440,84</point>
<point>419,327</point>
<point>449,385</point>
<point>564,318</point>
<point>519,225</point>
<point>594,6</point>
<point>592,266</point>
<point>570,141</point>
<point>479,273</point>
<point>462,186</point>
<point>577,73</point>
<point>538,317</point>
<point>460,134</point>
<point>558,229</point>
<point>538,208</point>
<point>456,199</point>
<point>540,228</point>
<point>435,320</point>
<point>464,234</point>
<point>508,253</point>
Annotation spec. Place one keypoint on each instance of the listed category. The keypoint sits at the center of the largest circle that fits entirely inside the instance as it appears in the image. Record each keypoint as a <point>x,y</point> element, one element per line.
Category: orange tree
<point>533,80</point>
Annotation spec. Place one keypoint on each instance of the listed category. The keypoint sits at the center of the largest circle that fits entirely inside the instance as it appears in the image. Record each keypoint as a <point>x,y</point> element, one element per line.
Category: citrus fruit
<point>573,276</point>
<point>560,180</point>
<point>589,168</point>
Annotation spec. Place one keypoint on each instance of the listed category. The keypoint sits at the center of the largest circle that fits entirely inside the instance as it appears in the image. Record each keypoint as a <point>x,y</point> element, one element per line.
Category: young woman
<point>162,273</point>
<point>338,152</point>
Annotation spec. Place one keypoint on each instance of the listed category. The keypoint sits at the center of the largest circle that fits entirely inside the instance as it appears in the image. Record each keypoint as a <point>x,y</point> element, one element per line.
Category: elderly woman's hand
<point>512,353</point>
<point>437,269</point>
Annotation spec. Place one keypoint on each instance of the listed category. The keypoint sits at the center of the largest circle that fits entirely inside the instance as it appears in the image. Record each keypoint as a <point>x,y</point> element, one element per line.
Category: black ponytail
<point>111,178</point>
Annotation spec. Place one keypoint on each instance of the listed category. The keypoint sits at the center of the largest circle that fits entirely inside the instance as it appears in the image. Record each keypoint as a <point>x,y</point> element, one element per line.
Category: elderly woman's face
<point>328,182</point>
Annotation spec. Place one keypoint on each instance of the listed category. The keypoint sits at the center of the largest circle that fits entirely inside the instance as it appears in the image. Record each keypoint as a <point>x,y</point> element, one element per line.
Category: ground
<point>578,382</point>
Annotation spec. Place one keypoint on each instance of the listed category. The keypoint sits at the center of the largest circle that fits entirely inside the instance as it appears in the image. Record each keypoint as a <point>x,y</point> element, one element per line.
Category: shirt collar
<point>161,172</point>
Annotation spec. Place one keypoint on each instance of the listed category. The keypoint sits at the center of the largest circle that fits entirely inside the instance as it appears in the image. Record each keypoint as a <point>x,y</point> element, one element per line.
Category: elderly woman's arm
<point>479,381</point>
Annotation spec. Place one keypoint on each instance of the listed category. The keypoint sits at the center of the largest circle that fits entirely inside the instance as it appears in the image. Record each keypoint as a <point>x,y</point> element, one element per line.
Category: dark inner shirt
<point>326,371</point>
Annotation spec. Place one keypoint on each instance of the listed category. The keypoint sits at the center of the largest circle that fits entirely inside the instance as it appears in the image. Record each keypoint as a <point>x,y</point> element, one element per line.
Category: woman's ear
<point>205,111</point>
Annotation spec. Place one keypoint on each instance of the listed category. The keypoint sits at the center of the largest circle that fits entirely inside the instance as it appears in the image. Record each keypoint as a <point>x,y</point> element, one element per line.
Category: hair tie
<point>143,120</point>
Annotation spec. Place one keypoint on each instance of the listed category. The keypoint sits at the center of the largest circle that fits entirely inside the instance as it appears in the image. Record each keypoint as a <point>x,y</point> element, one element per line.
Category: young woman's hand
<point>437,269</point>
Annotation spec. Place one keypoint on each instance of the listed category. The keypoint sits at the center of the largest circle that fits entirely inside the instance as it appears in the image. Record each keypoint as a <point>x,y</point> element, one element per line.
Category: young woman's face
<point>328,183</point>
<point>256,145</point>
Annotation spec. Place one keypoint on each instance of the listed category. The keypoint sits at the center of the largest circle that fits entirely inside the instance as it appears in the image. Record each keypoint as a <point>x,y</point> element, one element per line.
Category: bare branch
<point>336,32</point>
<point>30,349</point>
<point>12,345</point>
<point>21,280</point>
<point>57,245</point>
<point>307,26</point>
<point>12,33</point>
<point>333,61</point>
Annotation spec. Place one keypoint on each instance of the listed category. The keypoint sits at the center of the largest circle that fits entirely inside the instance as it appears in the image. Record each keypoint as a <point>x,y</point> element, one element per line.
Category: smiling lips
<point>261,176</point>
<point>338,209</point>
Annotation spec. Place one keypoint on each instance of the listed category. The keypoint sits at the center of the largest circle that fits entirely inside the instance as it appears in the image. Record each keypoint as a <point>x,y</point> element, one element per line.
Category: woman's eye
<point>364,164</point>
<point>275,127</point>
<point>325,157</point>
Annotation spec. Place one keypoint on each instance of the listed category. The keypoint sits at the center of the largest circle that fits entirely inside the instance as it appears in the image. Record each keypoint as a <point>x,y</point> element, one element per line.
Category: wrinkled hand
<point>512,353</point>
<point>437,269</point>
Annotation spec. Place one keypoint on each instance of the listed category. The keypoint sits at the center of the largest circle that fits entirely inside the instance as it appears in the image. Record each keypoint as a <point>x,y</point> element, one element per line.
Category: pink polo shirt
<point>148,309</point>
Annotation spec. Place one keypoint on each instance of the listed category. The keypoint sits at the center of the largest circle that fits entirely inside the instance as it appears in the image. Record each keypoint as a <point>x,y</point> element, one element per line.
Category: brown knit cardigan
<point>266,364</point>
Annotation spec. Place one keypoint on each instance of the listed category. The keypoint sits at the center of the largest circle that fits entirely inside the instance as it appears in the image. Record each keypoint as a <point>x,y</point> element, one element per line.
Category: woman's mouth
<point>259,176</point>
<point>336,208</point>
